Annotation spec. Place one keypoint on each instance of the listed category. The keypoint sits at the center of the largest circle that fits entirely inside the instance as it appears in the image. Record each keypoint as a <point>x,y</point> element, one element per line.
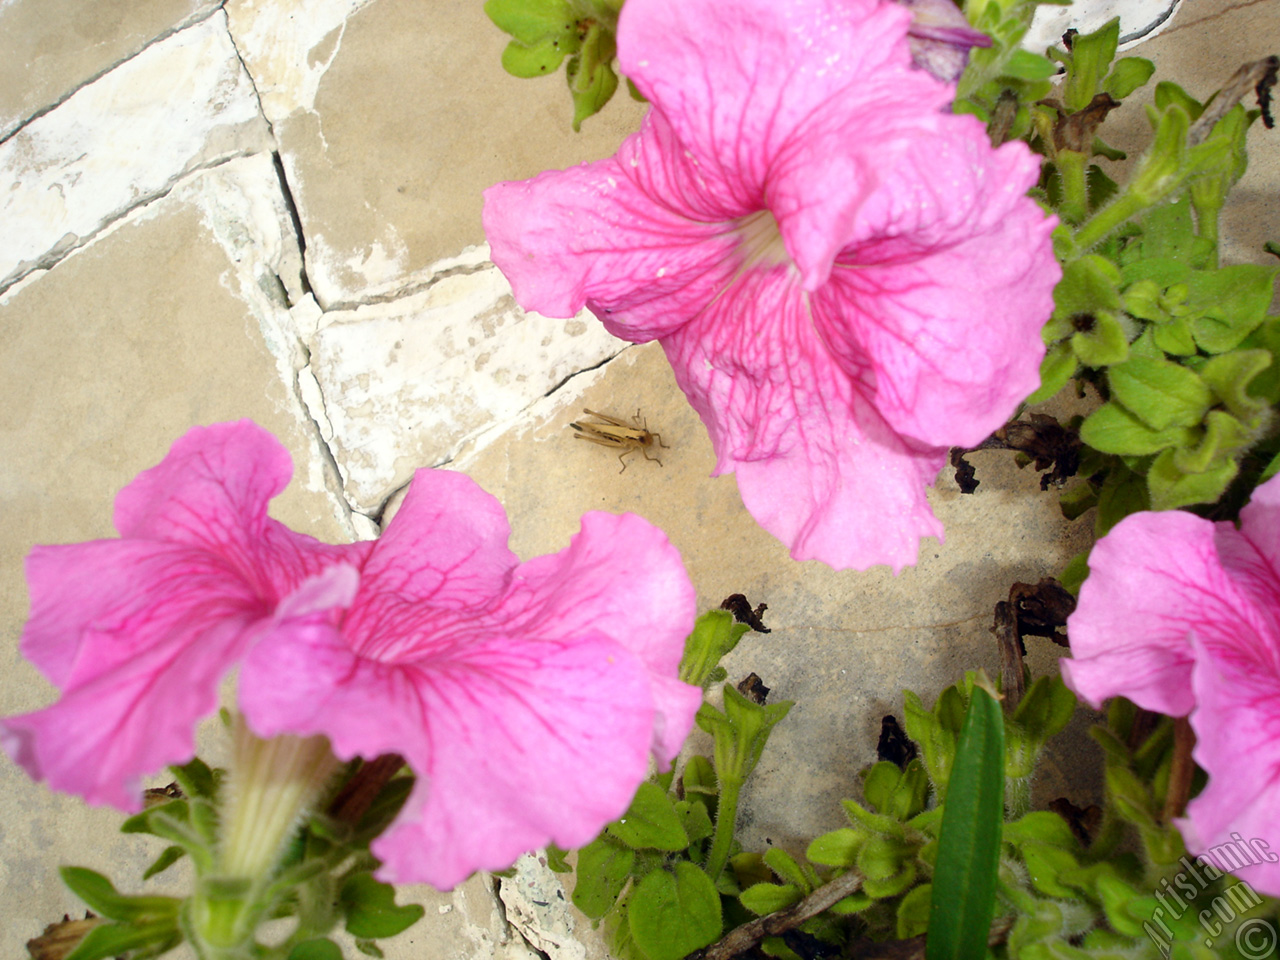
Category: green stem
<point>1109,218</point>
<point>726,819</point>
<point>1075,191</point>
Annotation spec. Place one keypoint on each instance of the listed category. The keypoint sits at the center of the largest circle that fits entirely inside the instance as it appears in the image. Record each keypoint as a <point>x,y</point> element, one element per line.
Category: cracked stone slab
<point>122,141</point>
<point>391,119</point>
<point>49,48</point>
<point>405,383</point>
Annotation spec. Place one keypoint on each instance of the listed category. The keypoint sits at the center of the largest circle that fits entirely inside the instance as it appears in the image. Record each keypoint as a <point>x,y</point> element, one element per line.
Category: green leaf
<point>1175,337</point>
<point>1228,304</point>
<point>1025,65</point>
<point>1160,393</point>
<point>1123,492</point>
<point>531,21</point>
<point>740,732</point>
<point>370,908</point>
<point>1170,487</point>
<point>1089,285</point>
<point>318,948</point>
<point>592,81</point>
<point>785,866</point>
<point>714,635</point>
<point>1168,94</point>
<point>1102,341</point>
<point>969,845</point>
<point>1127,75</point>
<point>1229,376</point>
<point>369,948</point>
<point>765,898</point>
<point>651,821</point>
<point>197,778</point>
<point>168,857</point>
<point>1113,429</point>
<point>603,868</point>
<point>913,912</point>
<point>1044,862</point>
<point>839,848</point>
<point>694,819</point>
<point>1091,54</point>
<point>1040,826</point>
<point>673,914</point>
<point>117,939</point>
<point>103,898</point>
<point>1046,709</point>
<point>1223,436</point>
<point>538,60</point>
<point>1056,368</point>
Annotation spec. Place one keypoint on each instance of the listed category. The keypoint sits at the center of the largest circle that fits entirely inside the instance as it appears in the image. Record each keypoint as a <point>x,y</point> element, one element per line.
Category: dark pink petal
<point>1251,555</point>
<point>627,236</point>
<point>138,635</point>
<point>619,578</point>
<point>139,631</point>
<point>516,742</point>
<point>211,490</point>
<point>444,554</point>
<point>1237,725</point>
<point>945,289</point>
<point>1154,580</point>
<point>816,464</point>
<point>527,700</point>
<point>777,106</point>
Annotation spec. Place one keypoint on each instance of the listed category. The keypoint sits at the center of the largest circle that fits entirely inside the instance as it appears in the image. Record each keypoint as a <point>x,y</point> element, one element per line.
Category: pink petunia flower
<point>527,697</point>
<point>1182,616</point>
<point>846,279</point>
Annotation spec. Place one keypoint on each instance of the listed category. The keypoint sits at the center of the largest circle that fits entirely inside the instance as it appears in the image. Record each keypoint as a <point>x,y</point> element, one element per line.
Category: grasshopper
<point>611,432</point>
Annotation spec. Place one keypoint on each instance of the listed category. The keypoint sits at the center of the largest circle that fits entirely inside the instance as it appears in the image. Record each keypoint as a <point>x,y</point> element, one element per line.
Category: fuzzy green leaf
<point>651,821</point>
<point>1159,393</point>
<point>603,868</point>
<point>371,910</point>
<point>671,914</point>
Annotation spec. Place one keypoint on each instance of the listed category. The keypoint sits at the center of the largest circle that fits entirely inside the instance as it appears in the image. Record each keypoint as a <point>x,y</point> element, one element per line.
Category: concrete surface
<point>272,210</point>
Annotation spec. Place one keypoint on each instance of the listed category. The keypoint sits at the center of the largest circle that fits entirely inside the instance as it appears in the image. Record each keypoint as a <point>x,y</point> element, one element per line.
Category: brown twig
<point>1181,772</point>
<point>354,799</point>
<point>743,938</point>
<point>1258,76</point>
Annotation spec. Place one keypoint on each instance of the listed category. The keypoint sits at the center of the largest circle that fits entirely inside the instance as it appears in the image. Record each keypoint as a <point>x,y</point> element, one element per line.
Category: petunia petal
<point>139,654</point>
<point>1251,555</point>
<point>816,464</point>
<point>211,490</point>
<point>768,103</point>
<point>516,742</point>
<point>444,551</point>
<point>1154,579</point>
<point>1237,725</point>
<point>619,578</point>
<point>945,289</point>
<point>626,236</point>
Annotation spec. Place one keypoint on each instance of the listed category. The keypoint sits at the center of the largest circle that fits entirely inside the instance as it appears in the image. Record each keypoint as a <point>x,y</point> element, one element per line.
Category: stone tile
<point>181,104</point>
<point>1140,20</point>
<point>405,383</point>
<point>106,360</point>
<point>398,121</point>
<point>50,48</point>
